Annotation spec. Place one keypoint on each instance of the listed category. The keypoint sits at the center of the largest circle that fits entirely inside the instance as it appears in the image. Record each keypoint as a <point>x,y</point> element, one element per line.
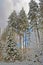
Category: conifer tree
<point>12,50</point>
<point>33,17</point>
<point>41,23</point>
<point>24,22</point>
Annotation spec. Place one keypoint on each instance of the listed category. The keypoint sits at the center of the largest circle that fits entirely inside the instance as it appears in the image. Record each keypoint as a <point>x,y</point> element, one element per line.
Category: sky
<point>7,7</point>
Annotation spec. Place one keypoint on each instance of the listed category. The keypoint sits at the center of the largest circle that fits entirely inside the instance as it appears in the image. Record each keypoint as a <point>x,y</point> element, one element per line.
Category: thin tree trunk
<point>25,41</point>
<point>20,41</point>
<point>38,34</point>
<point>23,48</point>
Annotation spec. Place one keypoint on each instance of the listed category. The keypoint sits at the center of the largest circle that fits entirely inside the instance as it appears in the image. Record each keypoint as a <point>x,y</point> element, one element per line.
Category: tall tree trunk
<point>20,41</point>
<point>25,41</point>
<point>38,34</point>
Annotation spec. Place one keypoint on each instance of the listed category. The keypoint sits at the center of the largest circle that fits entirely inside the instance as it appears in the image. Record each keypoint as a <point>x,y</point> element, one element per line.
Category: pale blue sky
<point>7,6</point>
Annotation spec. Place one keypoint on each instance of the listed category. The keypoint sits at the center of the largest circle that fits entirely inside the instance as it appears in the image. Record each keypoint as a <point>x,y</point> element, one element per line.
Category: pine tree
<point>24,19</point>
<point>33,17</point>
<point>41,23</point>
<point>19,23</point>
<point>12,50</point>
<point>23,23</point>
<point>41,7</point>
<point>13,20</point>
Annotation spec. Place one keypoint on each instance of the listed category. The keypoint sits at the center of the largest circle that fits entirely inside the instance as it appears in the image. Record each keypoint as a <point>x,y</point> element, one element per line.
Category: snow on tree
<point>41,23</point>
<point>13,53</point>
<point>24,19</point>
<point>13,20</point>
<point>34,24</point>
<point>33,17</point>
<point>23,23</point>
<point>41,7</point>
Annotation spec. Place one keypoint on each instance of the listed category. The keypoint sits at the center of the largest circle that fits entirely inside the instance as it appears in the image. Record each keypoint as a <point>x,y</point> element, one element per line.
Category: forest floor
<point>31,58</point>
<point>22,63</point>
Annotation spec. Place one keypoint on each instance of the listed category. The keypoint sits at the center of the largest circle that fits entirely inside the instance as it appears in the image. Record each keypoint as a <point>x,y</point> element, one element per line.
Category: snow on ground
<point>31,60</point>
<point>21,63</point>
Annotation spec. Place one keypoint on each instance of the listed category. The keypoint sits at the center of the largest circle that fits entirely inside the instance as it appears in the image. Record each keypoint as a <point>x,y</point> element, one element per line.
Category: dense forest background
<point>23,37</point>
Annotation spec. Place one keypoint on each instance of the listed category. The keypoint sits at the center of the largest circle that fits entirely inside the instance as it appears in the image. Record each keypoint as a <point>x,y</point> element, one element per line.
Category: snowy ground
<point>30,59</point>
<point>22,63</point>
